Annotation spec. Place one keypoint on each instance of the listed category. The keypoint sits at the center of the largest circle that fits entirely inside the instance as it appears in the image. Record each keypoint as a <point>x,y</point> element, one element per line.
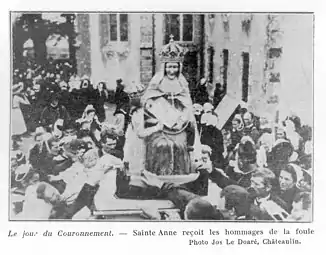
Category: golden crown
<point>172,52</point>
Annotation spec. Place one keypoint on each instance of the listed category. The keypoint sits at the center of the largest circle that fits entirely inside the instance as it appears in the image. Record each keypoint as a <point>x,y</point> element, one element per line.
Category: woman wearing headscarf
<point>17,119</point>
<point>264,144</point>
<point>89,123</point>
<point>292,135</point>
<point>286,185</point>
<point>281,151</point>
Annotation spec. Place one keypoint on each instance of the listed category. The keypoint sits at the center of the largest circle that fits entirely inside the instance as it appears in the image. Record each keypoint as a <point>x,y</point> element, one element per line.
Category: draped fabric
<point>155,89</point>
<point>134,150</point>
<point>167,154</point>
<point>167,150</point>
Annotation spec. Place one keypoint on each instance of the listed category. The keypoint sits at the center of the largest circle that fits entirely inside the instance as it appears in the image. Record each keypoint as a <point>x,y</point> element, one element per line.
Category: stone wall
<point>133,61</point>
<point>280,53</point>
<point>83,55</point>
<point>279,47</point>
<point>296,69</point>
<point>147,62</point>
<point>106,60</point>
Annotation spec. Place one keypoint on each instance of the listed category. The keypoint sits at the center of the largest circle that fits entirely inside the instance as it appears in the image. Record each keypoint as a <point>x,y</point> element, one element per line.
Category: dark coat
<point>40,102</point>
<point>90,132</point>
<point>90,95</point>
<point>234,178</point>
<point>100,100</point>
<point>35,156</point>
<point>116,153</point>
<point>65,100</point>
<point>124,109</point>
<point>287,196</point>
<point>200,95</point>
<point>121,98</point>
<point>213,137</point>
<point>253,132</point>
<point>218,96</point>
<point>258,214</point>
<point>46,164</point>
<point>235,139</point>
<point>51,114</point>
<point>77,104</point>
<point>279,156</point>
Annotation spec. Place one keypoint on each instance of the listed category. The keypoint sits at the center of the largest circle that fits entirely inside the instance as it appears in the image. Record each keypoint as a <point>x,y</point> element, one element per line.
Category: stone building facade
<point>265,60</point>
<point>116,45</point>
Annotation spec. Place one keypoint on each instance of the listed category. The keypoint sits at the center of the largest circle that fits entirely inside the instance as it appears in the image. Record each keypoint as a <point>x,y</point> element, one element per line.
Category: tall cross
<point>171,38</point>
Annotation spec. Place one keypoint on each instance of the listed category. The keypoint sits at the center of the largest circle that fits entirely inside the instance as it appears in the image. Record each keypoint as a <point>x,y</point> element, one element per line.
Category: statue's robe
<point>167,151</point>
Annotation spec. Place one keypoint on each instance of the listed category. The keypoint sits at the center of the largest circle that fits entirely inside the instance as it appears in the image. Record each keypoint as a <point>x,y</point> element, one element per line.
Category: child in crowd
<point>90,124</point>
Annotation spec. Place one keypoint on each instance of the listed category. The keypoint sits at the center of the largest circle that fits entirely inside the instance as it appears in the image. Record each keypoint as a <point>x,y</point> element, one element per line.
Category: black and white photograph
<point>161,116</point>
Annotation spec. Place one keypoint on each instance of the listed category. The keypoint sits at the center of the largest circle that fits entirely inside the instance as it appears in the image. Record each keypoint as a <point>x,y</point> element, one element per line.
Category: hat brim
<point>17,88</point>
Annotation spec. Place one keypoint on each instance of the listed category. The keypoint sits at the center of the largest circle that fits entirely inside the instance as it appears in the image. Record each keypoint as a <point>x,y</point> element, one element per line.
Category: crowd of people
<point>65,117</point>
<point>268,165</point>
<point>263,168</point>
<point>42,95</point>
